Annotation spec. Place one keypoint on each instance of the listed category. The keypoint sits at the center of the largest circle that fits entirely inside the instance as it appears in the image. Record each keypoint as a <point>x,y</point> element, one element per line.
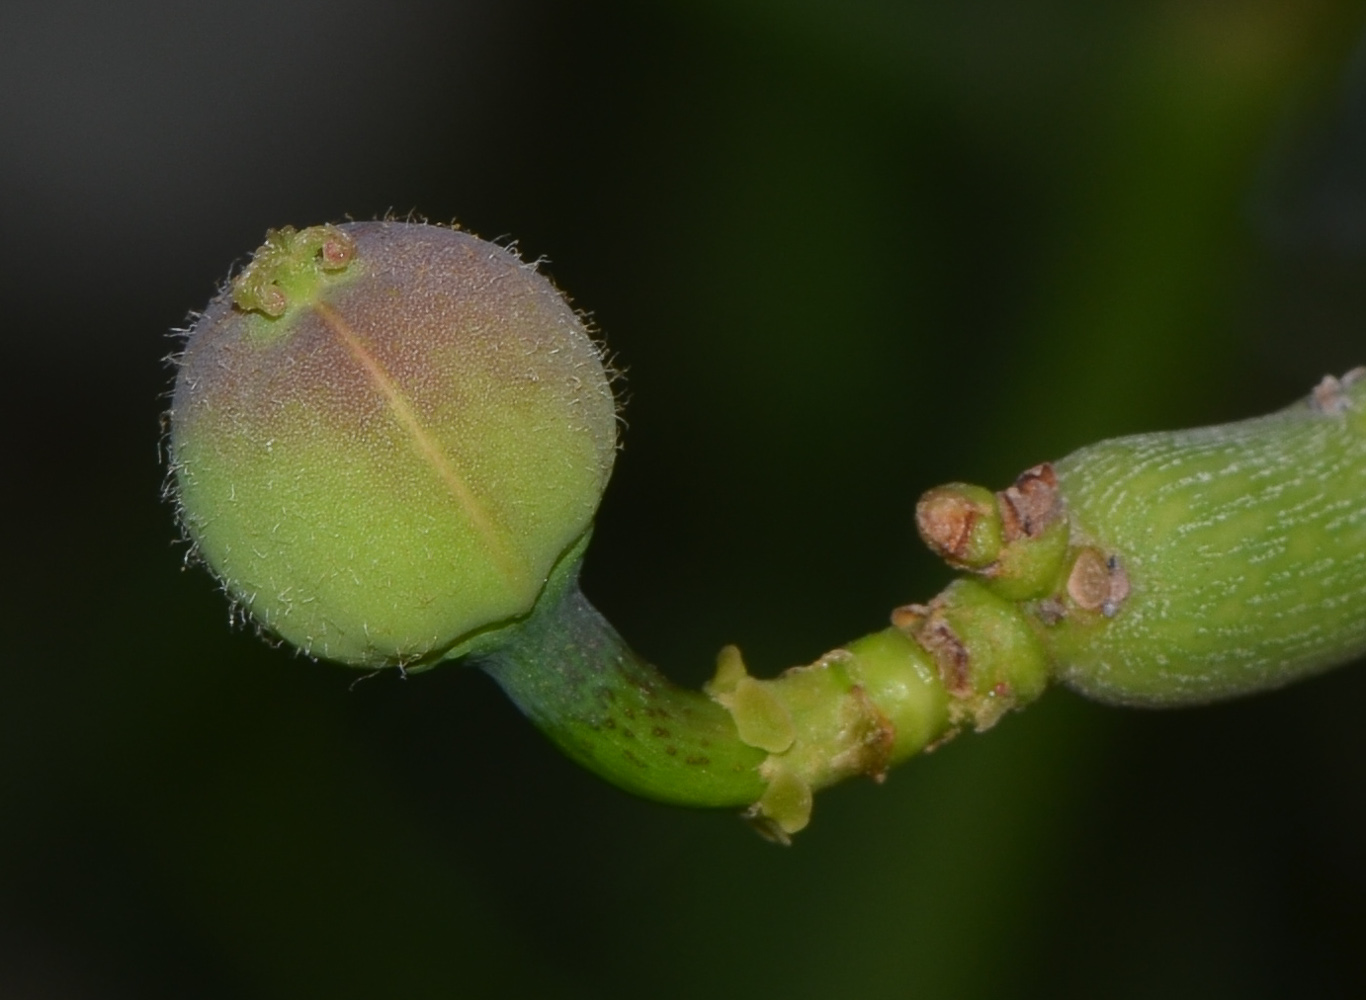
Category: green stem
<point>1161,569</point>
<point>570,672</point>
<point>1217,562</point>
<point>765,744</point>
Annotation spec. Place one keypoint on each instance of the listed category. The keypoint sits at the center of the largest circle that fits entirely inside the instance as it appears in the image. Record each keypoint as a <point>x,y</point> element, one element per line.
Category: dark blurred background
<point>844,251</point>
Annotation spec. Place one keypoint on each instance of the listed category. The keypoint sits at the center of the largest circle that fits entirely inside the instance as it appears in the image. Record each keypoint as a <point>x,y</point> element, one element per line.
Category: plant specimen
<point>389,440</point>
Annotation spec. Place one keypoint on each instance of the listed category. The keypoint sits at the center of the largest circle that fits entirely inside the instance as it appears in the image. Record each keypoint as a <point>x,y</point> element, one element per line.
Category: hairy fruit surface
<point>385,437</point>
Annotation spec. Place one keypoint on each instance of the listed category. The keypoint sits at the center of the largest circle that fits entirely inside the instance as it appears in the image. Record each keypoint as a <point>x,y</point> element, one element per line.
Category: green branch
<point>389,440</point>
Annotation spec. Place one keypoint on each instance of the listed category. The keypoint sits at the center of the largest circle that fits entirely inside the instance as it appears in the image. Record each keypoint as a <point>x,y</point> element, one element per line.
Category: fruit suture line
<point>366,473</point>
<point>426,446</point>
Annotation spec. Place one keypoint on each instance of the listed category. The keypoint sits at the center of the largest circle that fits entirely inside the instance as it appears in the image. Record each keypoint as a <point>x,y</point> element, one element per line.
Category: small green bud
<point>385,436</point>
<point>961,524</point>
<point>1014,540</point>
<point>1035,536</point>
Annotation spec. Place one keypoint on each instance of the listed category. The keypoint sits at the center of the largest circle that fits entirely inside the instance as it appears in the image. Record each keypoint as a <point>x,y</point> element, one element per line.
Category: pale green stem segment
<point>765,745</point>
<point>570,672</point>
<point>1162,569</point>
<point>1211,563</point>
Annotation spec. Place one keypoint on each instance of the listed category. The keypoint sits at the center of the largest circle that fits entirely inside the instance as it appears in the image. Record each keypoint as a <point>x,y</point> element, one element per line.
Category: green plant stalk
<point>762,744</point>
<point>388,441</point>
<point>767,745</point>
<point>1161,570</point>
<point>573,676</point>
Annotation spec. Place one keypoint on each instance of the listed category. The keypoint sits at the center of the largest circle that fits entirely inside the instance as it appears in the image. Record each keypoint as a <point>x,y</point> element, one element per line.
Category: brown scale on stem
<point>1098,582</point>
<point>1031,505</point>
<point>1329,396</point>
<point>874,738</point>
<point>949,652</point>
<point>927,625</point>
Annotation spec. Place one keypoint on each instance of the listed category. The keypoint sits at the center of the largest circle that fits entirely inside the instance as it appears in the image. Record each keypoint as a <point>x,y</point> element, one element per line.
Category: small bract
<point>386,436</point>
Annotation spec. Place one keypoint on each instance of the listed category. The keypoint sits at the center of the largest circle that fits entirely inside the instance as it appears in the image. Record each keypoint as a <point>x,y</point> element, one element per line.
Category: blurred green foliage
<point>844,251</point>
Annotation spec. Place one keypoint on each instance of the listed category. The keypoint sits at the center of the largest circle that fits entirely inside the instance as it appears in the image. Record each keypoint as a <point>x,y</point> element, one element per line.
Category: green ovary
<point>386,469</point>
<point>349,544</point>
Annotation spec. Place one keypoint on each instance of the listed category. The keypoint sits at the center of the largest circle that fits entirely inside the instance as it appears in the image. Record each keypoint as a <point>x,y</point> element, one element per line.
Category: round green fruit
<point>386,436</point>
